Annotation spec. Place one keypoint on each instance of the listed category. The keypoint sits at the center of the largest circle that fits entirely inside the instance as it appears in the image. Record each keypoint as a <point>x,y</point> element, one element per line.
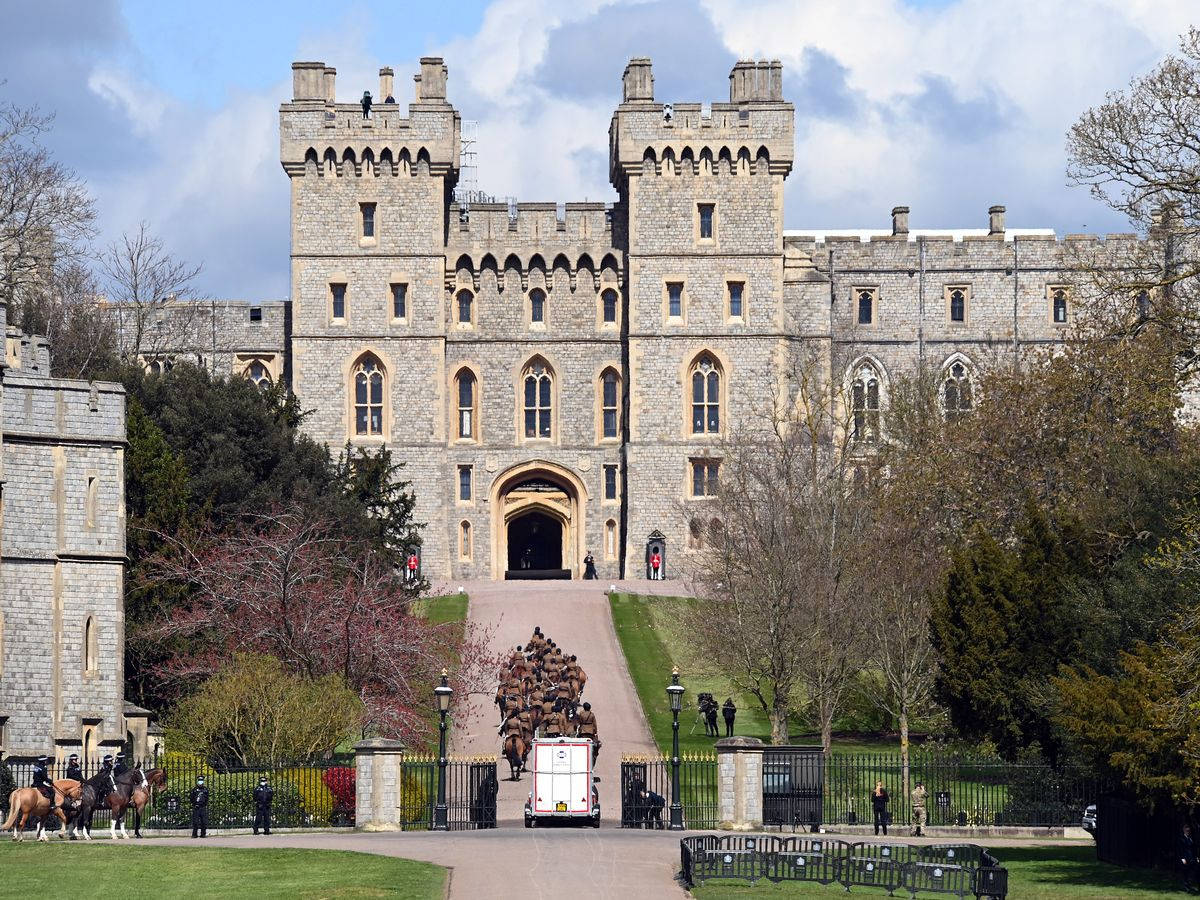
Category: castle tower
<point>369,197</point>
<point>701,188</point>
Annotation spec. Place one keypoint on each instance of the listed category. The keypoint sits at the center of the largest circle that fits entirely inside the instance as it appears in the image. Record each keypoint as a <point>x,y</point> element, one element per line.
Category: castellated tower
<point>701,188</point>
<point>369,200</point>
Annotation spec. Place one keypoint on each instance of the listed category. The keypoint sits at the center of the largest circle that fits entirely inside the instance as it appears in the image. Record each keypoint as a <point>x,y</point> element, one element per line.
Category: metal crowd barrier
<point>960,870</point>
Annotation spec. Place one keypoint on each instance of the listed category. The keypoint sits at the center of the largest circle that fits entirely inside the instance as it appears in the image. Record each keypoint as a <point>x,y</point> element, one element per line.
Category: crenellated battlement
<point>318,136</point>
<point>718,138</point>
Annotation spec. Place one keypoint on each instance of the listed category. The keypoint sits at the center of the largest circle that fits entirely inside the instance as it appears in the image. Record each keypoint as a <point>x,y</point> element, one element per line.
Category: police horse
<point>132,789</point>
<point>28,804</point>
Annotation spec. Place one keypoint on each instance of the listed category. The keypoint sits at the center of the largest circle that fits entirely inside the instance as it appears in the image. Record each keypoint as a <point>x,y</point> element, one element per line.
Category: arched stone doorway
<point>538,527</point>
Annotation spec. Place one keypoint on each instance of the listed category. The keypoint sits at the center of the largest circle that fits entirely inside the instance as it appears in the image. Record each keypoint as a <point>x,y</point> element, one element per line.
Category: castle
<point>62,557</point>
<point>557,377</point>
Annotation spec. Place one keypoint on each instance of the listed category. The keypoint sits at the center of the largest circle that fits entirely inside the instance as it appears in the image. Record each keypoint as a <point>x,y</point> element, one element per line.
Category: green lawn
<point>653,640</point>
<point>1034,873</point>
<point>131,870</point>
<point>443,610</point>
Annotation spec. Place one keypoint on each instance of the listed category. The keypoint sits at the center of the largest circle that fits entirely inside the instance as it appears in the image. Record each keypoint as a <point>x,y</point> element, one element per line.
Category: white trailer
<point>563,788</point>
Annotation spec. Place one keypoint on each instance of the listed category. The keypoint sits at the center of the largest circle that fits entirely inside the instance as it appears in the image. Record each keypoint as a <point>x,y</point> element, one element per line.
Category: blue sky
<point>169,110</point>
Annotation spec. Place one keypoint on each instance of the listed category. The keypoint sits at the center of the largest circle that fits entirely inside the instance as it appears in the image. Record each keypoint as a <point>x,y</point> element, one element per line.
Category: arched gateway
<point>537,522</point>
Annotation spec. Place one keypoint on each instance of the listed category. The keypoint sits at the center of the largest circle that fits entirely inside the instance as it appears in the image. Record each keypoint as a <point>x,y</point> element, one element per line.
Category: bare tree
<point>66,309</point>
<point>777,608</point>
<point>45,211</point>
<point>152,292</point>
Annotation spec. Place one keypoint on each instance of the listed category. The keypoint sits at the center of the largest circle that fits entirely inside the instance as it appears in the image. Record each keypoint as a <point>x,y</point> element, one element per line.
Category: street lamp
<point>442,692</point>
<point>675,695</point>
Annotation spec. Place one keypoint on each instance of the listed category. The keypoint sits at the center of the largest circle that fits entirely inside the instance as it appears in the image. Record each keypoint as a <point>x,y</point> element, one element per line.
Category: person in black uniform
<point>42,781</point>
<point>73,770</point>
<point>262,806</point>
<point>1187,859</point>
<point>729,711</point>
<point>654,804</point>
<point>589,567</point>
<point>199,798</point>
<point>710,719</point>
<point>119,767</point>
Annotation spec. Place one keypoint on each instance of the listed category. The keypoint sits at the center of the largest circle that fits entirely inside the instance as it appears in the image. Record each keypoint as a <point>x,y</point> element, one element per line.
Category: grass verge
<point>1034,873</point>
<point>38,870</point>
<point>446,610</point>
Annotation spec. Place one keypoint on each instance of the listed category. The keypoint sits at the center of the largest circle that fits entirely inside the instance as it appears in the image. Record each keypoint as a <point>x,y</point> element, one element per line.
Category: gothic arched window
<point>537,306</point>
<point>610,403</point>
<point>865,403</point>
<point>259,376</point>
<point>1058,305</point>
<point>706,396</point>
<point>90,646</point>
<point>538,405</point>
<point>465,302</point>
<point>368,377</point>
<point>465,393</point>
<point>609,299</point>
<point>956,391</point>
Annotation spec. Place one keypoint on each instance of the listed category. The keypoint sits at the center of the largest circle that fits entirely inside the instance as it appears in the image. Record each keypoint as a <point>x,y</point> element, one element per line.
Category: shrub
<point>318,800</point>
<point>341,781</point>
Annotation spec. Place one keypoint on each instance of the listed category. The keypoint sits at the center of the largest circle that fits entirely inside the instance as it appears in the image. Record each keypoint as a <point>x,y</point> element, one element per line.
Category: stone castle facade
<point>557,378</point>
<point>62,555</point>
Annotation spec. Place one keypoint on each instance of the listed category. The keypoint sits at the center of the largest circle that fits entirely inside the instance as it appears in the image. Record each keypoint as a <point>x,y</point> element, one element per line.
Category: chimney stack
<point>386,84</point>
<point>638,81</point>
<point>996,220</point>
<point>899,221</point>
<point>330,86</point>
<point>431,83</point>
<point>307,78</point>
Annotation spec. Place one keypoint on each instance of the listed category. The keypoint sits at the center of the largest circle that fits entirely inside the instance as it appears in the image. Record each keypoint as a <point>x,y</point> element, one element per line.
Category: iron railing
<point>961,870</point>
<point>471,787</point>
<point>959,791</point>
<point>698,791</point>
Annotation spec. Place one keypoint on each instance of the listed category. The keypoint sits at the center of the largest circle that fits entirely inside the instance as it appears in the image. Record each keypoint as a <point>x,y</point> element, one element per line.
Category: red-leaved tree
<point>287,584</point>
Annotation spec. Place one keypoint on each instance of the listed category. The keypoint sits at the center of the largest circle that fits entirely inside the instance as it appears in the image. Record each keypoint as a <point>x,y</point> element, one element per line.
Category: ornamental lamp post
<point>675,695</point>
<point>442,692</point>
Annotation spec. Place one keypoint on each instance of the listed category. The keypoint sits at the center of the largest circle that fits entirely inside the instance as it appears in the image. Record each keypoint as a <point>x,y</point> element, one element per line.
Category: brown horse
<point>514,752</point>
<point>117,800</point>
<point>25,804</point>
<point>155,778</point>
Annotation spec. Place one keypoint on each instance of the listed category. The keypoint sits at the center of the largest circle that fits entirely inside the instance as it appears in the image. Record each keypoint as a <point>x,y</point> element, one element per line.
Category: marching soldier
<point>199,800</point>
<point>262,806</point>
<point>73,769</point>
<point>919,795</point>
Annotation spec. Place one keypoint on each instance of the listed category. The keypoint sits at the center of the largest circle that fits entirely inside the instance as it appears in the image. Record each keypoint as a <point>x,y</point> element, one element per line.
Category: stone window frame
<point>469,470</point>
<point>337,278</point>
<point>856,293</point>
<point>348,379</point>
<point>89,646</point>
<point>732,278</point>
<point>690,365</point>
<point>270,361</point>
<point>706,242</point>
<point>255,315</point>
<point>969,376</point>
<point>529,322</point>
<point>711,479</point>
<point>966,292</point>
<point>456,308</point>
<point>614,325</point>
<point>465,541</point>
<point>1052,289</point>
<point>91,499</point>
<point>455,410</point>
<point>668,319</point>
<point>519,393</point>
<point>611,540</point>
<point>394,280</point>
<point>365,240</point>
<point>615,499</point>
<point>605,369</point>
<point>854,373</point>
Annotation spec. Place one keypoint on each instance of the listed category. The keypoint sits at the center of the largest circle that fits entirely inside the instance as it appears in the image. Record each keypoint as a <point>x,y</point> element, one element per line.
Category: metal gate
<point>471,788</point>
<point>793,784</point>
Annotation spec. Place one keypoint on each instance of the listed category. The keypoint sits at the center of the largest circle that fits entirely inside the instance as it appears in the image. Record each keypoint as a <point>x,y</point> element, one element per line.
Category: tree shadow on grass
<point>1078,867</point>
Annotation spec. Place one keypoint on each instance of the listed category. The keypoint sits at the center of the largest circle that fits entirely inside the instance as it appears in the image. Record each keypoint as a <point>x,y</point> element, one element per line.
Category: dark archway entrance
<point>535,547</point>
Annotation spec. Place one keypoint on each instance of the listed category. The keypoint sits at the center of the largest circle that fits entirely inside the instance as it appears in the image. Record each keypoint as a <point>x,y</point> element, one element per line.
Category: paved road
<point>575,615</point>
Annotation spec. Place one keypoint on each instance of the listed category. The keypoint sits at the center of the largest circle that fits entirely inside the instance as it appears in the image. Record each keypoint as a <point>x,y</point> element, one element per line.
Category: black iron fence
<point>471,788</point>
<point>792,781</point>
<point>645,779</point>
<point>305,795</point>
<point>959,791</point>
<point>961,870</point>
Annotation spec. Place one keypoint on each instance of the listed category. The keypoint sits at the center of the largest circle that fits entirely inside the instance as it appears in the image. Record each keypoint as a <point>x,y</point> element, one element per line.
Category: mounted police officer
<point>42,781</point>
<point>262,806</point>
<point>199,800</point>
<point>119,767</point>
<point>73,769</point>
